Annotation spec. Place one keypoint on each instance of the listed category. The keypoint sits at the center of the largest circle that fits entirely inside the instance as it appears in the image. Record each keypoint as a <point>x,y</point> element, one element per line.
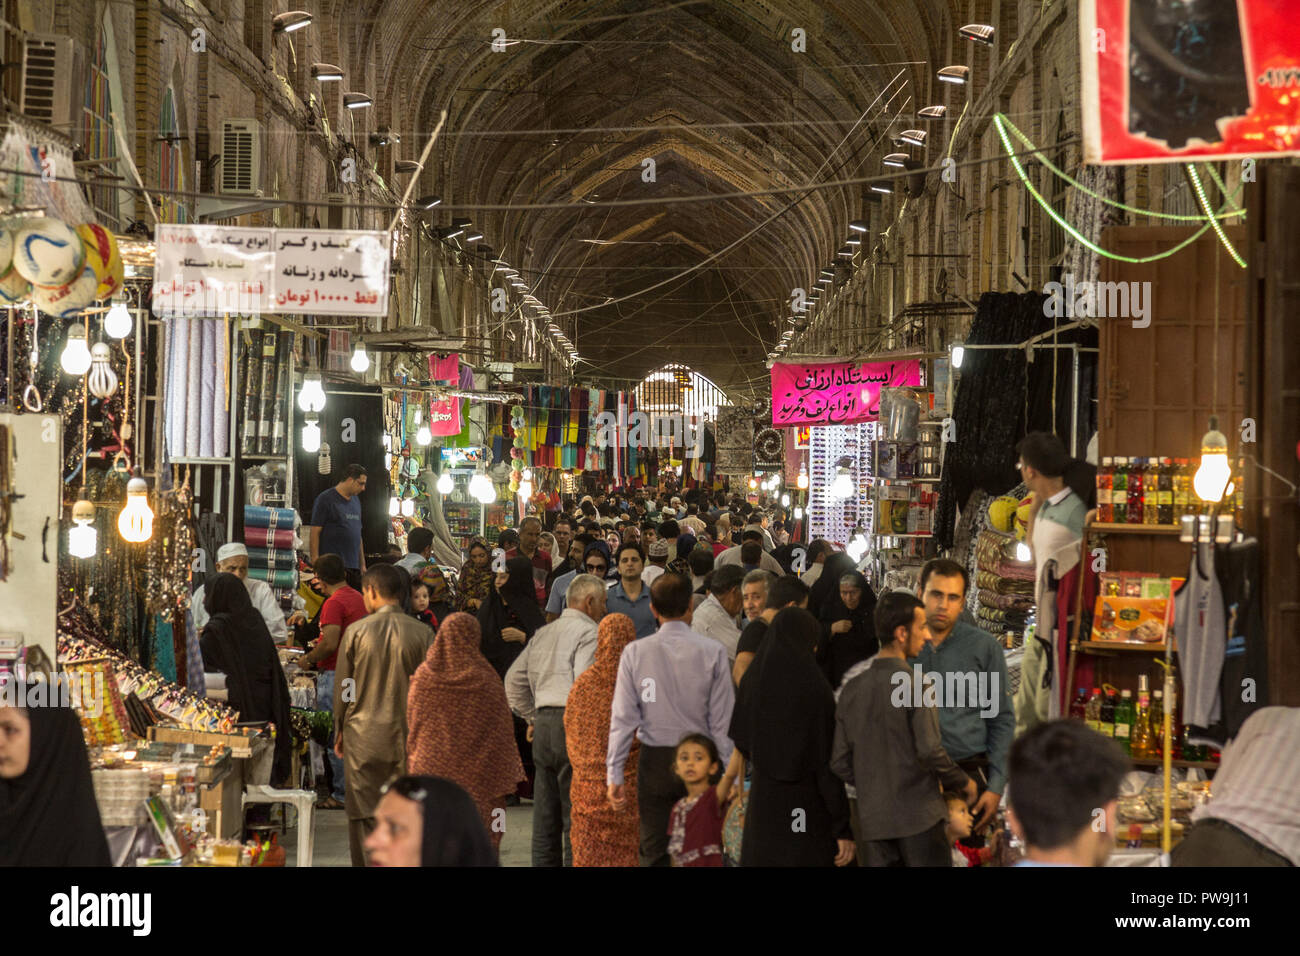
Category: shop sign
<point>212,270</point>
<point>835,393</point>
<point>1172,82</point>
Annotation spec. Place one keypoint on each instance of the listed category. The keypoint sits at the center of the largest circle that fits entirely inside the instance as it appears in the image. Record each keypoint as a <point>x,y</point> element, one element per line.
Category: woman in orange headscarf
<point>459,724</point>
<point>600,835</point>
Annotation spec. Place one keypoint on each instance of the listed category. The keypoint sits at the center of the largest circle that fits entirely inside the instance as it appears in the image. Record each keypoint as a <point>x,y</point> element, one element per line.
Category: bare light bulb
<point>445,483</point>
<point>118,323</point>
<point>423,436</point>
<point>360,360</point>
<point>135,523</point>
<point>311,397</point>
<point>102,380</point>
<point>394,506</point>
<point>1214,474</point>
<point>408,507</point>
<point>311,436</point>
<point>842,486</point>
<point>75,358</point>
<point>83,539</point>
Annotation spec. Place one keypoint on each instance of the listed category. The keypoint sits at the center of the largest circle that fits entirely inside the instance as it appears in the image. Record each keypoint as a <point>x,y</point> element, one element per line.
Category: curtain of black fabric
<point>1000,397</point>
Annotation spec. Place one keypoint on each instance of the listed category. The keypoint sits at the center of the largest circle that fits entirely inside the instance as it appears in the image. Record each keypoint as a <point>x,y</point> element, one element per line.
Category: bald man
<point>233,559</point>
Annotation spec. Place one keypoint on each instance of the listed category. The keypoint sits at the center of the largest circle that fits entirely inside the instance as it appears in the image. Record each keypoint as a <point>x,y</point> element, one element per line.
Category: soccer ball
<point>13,287</point>
<point>70,299</point>
<point>48,252</point>
<point>103,256</point>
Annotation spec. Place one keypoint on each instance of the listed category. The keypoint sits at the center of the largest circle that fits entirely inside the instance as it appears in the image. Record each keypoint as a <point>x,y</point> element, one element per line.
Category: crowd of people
<point>670,682</point>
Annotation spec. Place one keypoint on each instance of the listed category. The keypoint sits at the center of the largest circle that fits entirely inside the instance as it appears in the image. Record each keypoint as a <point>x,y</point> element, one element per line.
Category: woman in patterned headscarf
<point>459,724</point>
<point>475,577</point>
<point>600,835</point>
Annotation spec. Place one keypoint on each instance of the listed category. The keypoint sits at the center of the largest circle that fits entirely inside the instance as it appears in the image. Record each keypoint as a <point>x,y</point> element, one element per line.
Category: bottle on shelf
<point>1119,491</point>
<point>1165,502</point>
<point>1124,720</point>
<point>1079,706</point>
<point>1135,489</point>
<point>1105,486</point>
<point>1157,723</point>
<point>1106,720</point>
<point>1191,504</point>
<point>1092,710</point>
<point>1140,735</point>
<point>1151,492</point>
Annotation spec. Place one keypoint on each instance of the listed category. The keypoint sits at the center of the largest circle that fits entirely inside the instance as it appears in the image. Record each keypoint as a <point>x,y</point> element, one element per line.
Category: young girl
<point>420,603</point>
<point>959,828</point>
<point>695,827</point>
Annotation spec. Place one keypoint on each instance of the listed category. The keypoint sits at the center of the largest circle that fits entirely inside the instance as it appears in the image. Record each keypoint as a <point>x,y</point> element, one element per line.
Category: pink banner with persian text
<point>444,416</point>
<point>835,393</point>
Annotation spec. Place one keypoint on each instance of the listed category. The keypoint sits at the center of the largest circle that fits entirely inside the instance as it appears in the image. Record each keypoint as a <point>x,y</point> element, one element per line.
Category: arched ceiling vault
<point>592,65</point>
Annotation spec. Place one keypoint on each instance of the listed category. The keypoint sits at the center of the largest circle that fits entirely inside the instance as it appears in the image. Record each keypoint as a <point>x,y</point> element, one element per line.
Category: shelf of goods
<point>831,517</point>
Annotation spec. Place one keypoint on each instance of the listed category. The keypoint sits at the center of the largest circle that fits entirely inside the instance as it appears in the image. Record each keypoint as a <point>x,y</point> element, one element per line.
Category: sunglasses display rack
<point>829,516</point>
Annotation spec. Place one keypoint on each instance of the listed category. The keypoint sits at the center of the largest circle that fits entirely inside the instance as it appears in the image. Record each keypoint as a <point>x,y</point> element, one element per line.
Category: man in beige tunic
<point>376,658</point>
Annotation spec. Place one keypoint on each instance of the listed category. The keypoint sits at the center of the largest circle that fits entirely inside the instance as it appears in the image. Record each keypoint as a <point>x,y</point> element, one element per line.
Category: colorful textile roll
<point>207,347</point>
<point>258,516</point>
<point>251,381</point>
<point>277,579</point>
<point>256,537</point>
<point>266,393</point>
<point>279,426</point>
<point>274,559</point>
<point>194,388</point>
<point>178,346</point>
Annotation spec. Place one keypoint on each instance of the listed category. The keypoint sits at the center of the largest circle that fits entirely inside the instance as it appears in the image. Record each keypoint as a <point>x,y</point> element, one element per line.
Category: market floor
<point>331,848</point>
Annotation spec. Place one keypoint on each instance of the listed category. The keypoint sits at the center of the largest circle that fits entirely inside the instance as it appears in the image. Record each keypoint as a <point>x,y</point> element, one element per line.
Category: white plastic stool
<point>304,801</point>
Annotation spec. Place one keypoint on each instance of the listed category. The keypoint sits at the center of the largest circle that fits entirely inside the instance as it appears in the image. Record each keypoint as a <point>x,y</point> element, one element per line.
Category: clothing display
<point>197,399</point>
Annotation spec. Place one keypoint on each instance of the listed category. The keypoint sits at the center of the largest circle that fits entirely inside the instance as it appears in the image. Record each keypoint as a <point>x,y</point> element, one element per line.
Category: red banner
<point>444,416</point>
<point>1169,82</point>
<point>835,393</point>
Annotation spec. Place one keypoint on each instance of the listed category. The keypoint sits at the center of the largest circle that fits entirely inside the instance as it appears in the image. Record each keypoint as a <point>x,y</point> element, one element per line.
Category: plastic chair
<point>304,801</point>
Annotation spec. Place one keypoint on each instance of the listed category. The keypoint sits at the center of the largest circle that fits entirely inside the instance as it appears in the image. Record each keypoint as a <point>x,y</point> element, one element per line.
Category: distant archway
<point>679,389</point>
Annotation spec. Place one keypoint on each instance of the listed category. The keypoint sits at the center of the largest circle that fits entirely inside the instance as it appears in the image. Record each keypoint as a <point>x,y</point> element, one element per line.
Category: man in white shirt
<point>716,615</point>
<point>732,555</point>
<point>657,553</point>
<point>233,559</point>
<point>537,688</point>
<point>818,552</point>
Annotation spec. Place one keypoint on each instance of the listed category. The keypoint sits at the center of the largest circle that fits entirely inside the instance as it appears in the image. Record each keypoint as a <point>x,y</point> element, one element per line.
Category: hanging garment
<point>1246,652</point>
<point>1202,638</point>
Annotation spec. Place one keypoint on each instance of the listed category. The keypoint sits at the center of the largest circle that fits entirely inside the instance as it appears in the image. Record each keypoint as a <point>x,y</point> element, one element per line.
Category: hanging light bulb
<point>1214,474</point>
<point>118,323</point>
<point>857,546</point>
<point>423,436</point>
<point>311,435</point>
<point>102,380</point>
<point>135,523</point>
<point>311,397</point>
<point>76,354</point>
<point>798,513</point>
<point>525,489</point>
<point>394,506</point>
<point>802,480</point>
<point>408,507</point>
<point>785,501</point>
<point>753,483</point>
<point>958,354</point>
<point>842,486</point>
<point>360,360</point>
<point>481,487</point>
<point>83,539</point>
<point>445,483</point>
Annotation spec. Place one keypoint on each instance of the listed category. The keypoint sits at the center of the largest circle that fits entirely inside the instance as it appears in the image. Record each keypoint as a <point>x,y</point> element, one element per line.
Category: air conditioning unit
<point>242,142</point>
<point>54,82</point>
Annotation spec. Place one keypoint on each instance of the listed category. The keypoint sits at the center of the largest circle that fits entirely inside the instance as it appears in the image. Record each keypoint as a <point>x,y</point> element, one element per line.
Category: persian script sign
<point>835,393</point>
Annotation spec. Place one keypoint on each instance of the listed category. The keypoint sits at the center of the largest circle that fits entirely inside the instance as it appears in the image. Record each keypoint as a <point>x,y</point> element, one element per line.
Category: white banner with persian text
<point>211,270</point>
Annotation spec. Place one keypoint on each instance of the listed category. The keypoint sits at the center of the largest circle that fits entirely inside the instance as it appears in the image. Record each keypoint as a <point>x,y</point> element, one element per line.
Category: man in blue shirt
<point>976,718</point>
<point>336,521</point>
<point>630,595</point>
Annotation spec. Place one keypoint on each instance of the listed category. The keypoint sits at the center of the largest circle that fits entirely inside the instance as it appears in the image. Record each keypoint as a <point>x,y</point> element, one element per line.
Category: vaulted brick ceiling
<point>685,69</point>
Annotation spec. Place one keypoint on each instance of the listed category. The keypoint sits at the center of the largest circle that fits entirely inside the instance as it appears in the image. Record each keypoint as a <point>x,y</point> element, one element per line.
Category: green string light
<point>1205,205</point>
<point>1222,188</point>
<point>1061,221</point>
<point>1112,202</point>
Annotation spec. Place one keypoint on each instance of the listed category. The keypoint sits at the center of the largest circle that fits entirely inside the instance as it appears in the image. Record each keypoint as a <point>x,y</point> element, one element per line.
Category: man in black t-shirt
<point>783,592</point>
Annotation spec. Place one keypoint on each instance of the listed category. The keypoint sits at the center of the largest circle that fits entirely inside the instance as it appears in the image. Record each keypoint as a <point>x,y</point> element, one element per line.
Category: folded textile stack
<point>1006,586</point>
<point>269,534</point>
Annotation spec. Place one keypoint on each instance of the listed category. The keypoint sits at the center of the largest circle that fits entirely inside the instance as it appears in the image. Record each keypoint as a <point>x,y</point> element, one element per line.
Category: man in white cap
<point>233,559</point>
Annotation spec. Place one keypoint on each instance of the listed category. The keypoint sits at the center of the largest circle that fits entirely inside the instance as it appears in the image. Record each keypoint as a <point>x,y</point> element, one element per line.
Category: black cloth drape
<point>236,642</point>
<point>784,723</point>
<point>514,605</point>
<point>838,652</point>
<point>48,814</point>
<point>1001,397</point>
